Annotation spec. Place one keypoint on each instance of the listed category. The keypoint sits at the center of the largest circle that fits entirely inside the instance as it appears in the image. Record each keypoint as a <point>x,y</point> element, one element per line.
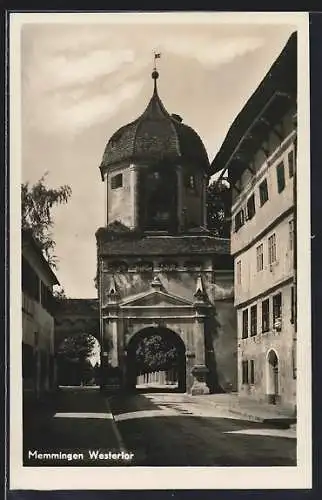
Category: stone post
<point>199,370</point>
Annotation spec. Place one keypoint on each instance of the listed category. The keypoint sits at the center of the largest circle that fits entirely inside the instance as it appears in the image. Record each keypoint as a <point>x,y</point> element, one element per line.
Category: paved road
<point>160,429</point>
<point>72,431</point>
<point>171,430</point>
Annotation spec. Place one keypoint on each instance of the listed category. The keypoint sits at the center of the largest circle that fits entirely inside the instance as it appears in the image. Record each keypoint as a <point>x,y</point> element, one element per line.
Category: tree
<point>78,347</point>
<point>74,358</point>
<point>218,208</point>
<point>59,294</point>
<point>37,202</point>
<point>154,353</point>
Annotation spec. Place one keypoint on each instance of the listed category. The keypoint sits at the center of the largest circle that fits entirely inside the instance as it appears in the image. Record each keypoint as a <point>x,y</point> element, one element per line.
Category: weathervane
<point>155,74</point>
<point>157,55</point>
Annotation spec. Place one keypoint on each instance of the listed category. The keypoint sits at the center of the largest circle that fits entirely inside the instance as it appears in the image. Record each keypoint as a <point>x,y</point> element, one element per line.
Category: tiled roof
<point>155,135</point>
<point>280,80</point>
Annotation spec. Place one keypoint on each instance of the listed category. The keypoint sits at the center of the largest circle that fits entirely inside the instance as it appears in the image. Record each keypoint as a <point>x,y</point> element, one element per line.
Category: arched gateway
<point>157,264</point>
<point>165,353</point>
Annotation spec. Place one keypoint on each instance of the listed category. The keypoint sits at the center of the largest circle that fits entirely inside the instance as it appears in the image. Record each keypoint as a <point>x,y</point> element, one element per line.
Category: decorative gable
<point>156,298</point>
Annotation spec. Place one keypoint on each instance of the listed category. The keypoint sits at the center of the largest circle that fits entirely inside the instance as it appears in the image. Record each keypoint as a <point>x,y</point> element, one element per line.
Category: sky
<point>82,82</point>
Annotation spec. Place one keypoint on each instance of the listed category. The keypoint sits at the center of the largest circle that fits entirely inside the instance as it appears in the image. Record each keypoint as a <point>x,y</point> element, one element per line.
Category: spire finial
<point>155,74</point>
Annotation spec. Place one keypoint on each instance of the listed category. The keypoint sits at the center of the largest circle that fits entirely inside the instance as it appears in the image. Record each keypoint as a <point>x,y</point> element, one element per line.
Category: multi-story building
<point>38,361</point>
<point>259,153</point>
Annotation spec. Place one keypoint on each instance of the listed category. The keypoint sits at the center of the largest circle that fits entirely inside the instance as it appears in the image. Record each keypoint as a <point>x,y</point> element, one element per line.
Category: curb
<point>117,433</point>
<point>277,421</point>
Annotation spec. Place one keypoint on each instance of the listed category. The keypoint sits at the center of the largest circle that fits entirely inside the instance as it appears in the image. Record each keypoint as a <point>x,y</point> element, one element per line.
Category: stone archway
<point>170,338</point>
<point>272,377</point>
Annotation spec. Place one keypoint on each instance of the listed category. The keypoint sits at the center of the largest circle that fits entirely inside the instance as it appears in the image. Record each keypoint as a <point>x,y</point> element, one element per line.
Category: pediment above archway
<point>155,298</point>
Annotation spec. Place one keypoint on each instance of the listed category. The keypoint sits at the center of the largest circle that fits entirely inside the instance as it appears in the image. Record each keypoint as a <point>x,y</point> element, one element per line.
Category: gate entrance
<point>156,361</point>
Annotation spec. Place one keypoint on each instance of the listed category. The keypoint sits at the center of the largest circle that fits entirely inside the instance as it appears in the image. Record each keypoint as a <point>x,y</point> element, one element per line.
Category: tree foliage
<point>155,352</point>
<point>37,202</point>
<point>218,208</point>
<point>78,347</point>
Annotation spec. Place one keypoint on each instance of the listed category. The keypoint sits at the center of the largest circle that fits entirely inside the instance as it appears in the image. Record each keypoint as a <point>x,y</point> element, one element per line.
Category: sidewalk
<point>251,410</point>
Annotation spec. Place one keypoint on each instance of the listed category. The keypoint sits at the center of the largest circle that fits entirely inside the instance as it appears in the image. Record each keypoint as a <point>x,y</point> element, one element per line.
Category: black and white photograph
<point>159,290</point>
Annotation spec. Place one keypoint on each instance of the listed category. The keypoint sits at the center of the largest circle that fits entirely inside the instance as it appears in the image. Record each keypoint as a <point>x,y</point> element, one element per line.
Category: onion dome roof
<point>155,136</point>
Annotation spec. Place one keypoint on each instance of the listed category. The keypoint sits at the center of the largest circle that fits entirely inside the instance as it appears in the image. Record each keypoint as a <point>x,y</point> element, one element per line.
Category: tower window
<point>280,177</point>
<point>117,181</point>
<point>190,182</point>
<point>263,192</point>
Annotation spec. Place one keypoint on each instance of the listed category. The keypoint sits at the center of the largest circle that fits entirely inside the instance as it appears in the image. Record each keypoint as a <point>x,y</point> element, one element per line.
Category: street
<point>156,429</point>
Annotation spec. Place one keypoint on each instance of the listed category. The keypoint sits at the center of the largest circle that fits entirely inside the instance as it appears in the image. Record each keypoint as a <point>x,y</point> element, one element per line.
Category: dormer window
<point>117,181</point>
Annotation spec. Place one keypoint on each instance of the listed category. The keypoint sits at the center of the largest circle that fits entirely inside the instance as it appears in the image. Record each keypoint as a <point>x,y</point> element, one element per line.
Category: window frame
<point>280,167</point>
<point>253,320</point>
<point>245,324</point>
<point>272,252</point>
<point>266,316</point>
<point>239,220</point>
<point>260,257</point>
<point>251,203</point>
<point>263,199</point>
<point>115,184</point>
<point>251,372</point>
<point>278,306</point>
<point>245,372</point>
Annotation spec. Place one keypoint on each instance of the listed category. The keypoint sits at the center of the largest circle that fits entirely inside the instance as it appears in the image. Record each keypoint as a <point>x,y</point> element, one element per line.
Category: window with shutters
<point>277,307</point>
<point>245,324</point>
<point>280,172</point>
<point>252,372</point>
<point>245,372</point>
<point>253,320</point>
<point>272,249</point>
<point>260,257</point>
<point>265,315</point>
<point>251,207</point>
<point>239,220</point>
<point>263,192</point>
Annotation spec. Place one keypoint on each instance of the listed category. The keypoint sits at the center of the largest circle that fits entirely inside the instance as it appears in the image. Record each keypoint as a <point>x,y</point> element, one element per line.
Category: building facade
<point>38,350</point>
<point>159,269</point>
<point>259,154</point>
